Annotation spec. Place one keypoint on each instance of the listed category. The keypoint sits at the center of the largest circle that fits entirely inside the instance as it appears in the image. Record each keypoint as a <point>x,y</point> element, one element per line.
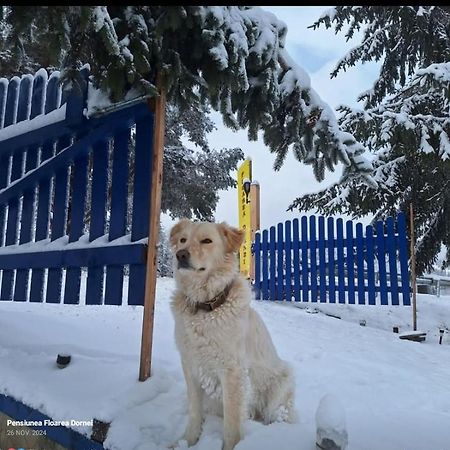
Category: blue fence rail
<point>67,205</point>
<point>317,259</point>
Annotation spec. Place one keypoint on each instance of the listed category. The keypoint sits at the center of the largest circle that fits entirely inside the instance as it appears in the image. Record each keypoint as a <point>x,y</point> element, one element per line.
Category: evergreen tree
<point>404,122</point>
<point>230,57</point>
<point>164,254</point>
<point>193,177</point>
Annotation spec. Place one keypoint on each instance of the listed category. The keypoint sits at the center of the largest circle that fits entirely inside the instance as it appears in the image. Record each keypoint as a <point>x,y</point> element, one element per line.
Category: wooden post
<point>155,209</point>
<point>254,220</point>
<point>413,267</point>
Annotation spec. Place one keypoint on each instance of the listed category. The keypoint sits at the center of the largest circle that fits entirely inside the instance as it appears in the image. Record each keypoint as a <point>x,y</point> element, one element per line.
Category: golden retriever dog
<point>229,361</point>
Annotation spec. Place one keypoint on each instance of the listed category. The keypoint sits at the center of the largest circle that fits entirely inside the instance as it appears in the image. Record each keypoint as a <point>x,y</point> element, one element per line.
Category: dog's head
<point>202,247</point>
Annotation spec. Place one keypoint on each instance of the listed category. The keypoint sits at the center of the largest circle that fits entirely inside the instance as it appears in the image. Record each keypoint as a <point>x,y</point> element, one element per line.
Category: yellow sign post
<point>244,179</point>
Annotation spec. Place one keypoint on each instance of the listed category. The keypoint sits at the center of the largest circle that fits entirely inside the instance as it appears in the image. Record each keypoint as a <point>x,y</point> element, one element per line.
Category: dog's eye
<point>206,241</point>
<point>183,240</point>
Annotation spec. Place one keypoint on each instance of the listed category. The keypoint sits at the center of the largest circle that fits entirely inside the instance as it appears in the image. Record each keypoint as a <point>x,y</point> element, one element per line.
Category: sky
<point>317,51</point>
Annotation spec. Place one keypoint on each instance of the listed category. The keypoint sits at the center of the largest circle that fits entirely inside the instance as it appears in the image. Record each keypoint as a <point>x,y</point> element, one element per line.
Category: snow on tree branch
<point>231,57</point>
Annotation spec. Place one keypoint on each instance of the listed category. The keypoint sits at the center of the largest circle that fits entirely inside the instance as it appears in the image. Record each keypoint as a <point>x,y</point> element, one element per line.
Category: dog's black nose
<point>182,255</point>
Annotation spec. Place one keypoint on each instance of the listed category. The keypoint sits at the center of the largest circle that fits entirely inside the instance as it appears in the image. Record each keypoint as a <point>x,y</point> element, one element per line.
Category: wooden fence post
<point>413,267</point>
<point>152,252</point>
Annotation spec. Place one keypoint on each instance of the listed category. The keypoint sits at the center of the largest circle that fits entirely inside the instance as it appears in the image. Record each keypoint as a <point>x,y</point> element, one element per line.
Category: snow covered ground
<point>395,393</point>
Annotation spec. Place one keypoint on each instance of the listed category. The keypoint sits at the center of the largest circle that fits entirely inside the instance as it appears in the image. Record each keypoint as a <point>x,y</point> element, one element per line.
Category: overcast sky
<point>317,52</point>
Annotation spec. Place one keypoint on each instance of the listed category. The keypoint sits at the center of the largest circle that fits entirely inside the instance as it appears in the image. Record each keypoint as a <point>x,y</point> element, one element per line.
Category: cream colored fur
<point>229,362</point>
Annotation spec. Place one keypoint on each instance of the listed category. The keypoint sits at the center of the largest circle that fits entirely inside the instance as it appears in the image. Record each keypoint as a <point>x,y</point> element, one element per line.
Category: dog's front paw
<point>192,434</point>
<point>228,446</point>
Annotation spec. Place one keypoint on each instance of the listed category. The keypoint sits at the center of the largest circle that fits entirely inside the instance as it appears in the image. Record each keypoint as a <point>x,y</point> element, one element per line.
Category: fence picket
<point>370,264</point>
<point>257,256</point>
<point>392,253</point>
<point>280,289</point>
<point>313,257</point>
<point>118,215</point>
<point>141,196</point>
<point>305,265</point>
<point>41,92</point>
<point>350,262</point>
<point>79,187</point>
<point>360,264</point>
<point>265,265</point>
<point>288,260</point>
<point>381,262</point>
<point>340,259</point>
<point>296,259</point>
<point>331,261</point>
<point>94,287</point>
<point>272,265</point>
<point>3,94</point>
<point>322,261</point>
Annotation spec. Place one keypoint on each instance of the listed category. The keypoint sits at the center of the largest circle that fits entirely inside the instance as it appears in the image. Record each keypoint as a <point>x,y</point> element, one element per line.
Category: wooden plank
<point>288,260</point>
<point>11,234</point>
<point>58,229</point>
<point>38,94</point>
<point>265,265</point>
<point>272,265</point>
<point>280,289</point>
<point>118,213</point>
<point>322,261</point>
<point>23,275</point>
<point>403,256</point>
<point>42,225</point>
<point>11,101</point>
<point>371,291</point>
<point>360,264</point>
<point>44,187</point>
<point>53,94</point>
<point>331,261</point>
<point>78,257</point>
<point>4,170</point>
<point>350,262</point>
<point>257,259</point>
<point>340,259</point>
<point>23,107</point>
<point>141,203</point>
<point>305,262</point>
<point>3,95</point>
<point>296,259</point>
<point>78,194</point>
<point>152,255</point>
<point>94,287</point>
<point>313,257</point>
<point>381,262</point>
<point>392,252</point>
<point>12,226</point>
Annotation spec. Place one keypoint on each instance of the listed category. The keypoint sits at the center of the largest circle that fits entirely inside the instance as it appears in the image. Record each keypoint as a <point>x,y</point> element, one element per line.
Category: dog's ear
<point>233,237</point>
<point>176,229</point>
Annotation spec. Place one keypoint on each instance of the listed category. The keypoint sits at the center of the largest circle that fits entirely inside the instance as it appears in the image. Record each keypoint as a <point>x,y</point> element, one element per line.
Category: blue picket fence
<point>317,259</point>
<point>66,204</point>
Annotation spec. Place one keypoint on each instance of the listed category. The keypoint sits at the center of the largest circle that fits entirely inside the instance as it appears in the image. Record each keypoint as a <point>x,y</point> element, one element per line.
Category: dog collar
<point>214,303</point>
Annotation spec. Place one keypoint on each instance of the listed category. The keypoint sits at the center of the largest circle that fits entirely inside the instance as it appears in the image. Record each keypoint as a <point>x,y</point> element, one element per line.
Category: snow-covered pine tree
<point>193,176</point>
<point>231,57</point>
<point>164,254</point>
<point>404,122</point>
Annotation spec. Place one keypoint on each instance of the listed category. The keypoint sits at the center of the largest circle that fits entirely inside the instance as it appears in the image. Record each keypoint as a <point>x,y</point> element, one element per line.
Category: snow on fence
<point>66,203</point>
<point>316,260</point>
